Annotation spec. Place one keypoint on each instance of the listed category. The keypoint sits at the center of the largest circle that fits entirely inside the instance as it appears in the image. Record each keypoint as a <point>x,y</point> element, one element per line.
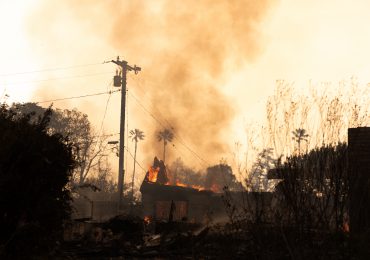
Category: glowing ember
<point>159,175</point>
<point>215,188</point>
<point>147,220</point>
<point>153,174</point>
<point>197,187</point>
<point>178,183</point>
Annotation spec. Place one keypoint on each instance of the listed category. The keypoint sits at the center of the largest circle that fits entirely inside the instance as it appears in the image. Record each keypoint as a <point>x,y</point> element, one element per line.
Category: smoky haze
<point>187,51</point>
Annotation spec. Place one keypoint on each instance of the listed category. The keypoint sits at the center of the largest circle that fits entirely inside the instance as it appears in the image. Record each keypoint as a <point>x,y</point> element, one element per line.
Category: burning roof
<point>164,197</point>
<point>158,175</point>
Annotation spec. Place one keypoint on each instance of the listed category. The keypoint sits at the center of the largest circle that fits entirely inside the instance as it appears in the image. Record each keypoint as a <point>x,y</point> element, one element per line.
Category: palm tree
<point>135,135</point>
<point>300,135</point>
<point>166,136</point>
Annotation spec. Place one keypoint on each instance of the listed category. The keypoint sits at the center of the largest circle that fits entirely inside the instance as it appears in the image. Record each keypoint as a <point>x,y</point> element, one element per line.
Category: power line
<point>59,78</point>
<point>145,109</point>
<point>150,100</point>
<point>105,135</point>
<point>192,151</point>
<point>133,157</point>
<point>160,123</point>
<point>105,113</point>
<point>76,97</point>
<point>135,160</point>
<point>175,136</point>
<point>50,69</point>
<point>166,121</point>
<point>182,154</point>
<point>106,108</point>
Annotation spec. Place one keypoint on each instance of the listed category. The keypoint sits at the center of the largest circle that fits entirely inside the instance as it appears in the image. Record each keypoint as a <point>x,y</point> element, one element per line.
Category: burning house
<point>163,199</point>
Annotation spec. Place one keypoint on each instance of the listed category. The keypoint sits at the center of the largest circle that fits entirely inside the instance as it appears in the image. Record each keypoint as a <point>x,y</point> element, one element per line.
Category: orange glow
<point>178,183</point>
<point>215,188</point>
<point>197,187</point>
<point>153,174</point>
<point>147,220</point>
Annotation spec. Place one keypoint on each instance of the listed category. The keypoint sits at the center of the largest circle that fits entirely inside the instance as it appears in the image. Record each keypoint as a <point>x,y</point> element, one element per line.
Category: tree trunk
<point>164,151</point>
<point>133,175</point>
<point>81,177</point>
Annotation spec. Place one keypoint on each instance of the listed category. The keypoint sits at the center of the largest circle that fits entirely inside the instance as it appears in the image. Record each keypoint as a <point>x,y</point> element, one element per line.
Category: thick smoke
<point>187,50</point>
<point>187,46</point>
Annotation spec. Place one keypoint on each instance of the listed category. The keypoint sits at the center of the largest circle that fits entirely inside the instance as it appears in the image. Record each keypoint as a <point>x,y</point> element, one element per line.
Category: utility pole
<point>120,81</point>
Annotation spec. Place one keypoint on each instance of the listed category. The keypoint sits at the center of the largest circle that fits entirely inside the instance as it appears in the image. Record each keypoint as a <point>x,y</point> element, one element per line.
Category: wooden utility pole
<point>120,81</point>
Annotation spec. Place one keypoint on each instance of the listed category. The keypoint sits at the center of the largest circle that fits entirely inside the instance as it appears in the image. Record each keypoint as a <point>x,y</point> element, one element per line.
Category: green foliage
<point>35,168</point>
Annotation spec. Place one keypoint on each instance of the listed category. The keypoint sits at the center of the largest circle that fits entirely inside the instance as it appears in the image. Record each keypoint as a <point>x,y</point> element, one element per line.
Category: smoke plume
<point>187,51</point>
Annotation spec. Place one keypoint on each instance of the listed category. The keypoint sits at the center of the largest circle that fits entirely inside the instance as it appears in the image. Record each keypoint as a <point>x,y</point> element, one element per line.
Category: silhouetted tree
<point>35,167</point>
<point>315,187</point>
<point>220,176</point>
<point>87,147</point>
<point>257,180</point>
<point>184,174</point>
<point>299,135</point>
<point>104,180</point>
<point>166,136</point>
<point>135,136</point>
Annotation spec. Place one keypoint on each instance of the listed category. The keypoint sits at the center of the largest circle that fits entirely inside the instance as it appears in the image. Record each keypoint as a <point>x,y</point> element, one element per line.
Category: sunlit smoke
<point>186,49</point>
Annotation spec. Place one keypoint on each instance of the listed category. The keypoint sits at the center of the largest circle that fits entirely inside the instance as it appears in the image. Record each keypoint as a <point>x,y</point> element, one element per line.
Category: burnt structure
<point>359,172</point>
<point>162,201</point>
<point>185,203</point>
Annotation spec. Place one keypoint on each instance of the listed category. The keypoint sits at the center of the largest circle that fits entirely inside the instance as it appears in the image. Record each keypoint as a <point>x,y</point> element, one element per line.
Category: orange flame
<point>153,174</point>
<point>147,220</point>
<point>178,183</point>
<point>197,187</point>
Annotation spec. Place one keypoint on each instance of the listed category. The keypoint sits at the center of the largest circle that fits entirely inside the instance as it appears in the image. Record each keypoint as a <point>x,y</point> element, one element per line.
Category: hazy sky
<point>208,66</point>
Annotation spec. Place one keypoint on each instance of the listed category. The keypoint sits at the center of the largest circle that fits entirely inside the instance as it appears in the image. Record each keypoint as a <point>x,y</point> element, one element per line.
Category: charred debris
<point>305,218</point>
<point>175,220</point>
